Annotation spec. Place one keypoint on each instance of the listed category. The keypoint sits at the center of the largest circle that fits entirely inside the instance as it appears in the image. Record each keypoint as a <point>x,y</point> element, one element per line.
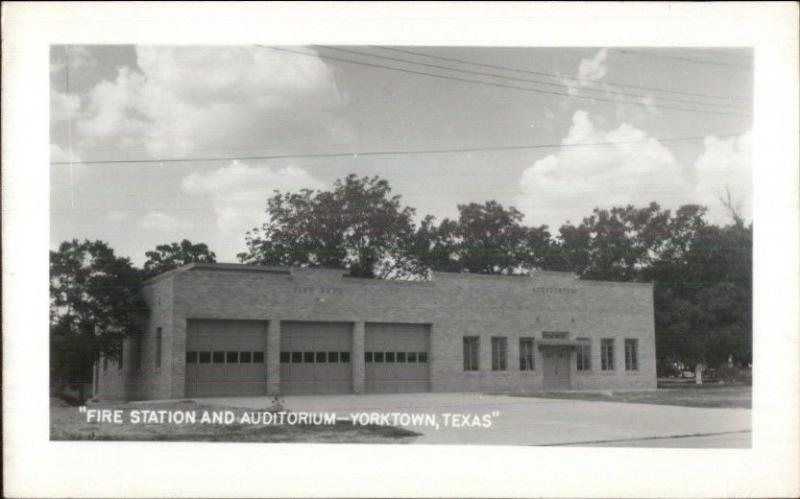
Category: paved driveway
<point>535,421</point>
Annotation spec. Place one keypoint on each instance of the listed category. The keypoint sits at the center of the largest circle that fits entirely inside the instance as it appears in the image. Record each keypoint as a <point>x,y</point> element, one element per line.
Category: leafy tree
<point>94,304</point>
<point>171,256</point>
<point>358,226</point>
<point>485,239</point>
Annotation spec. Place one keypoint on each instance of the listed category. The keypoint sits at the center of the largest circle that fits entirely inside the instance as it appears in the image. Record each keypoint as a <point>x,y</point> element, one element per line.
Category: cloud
<point>239,192</point>
<point>567,185</point>
<point>589,71</point>
<point>593,69</point>
<point>78,56</point>
<point>215,100</point>
<point>637,170</point>
<point>158,221</point>
<point>64,106</point>
<point>725,167</point>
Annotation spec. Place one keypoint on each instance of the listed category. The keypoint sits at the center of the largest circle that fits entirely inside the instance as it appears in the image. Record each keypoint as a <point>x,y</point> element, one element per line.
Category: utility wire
<point>528,80</point>
<point>356,154</point>
<point>686,59</point>
<point>502,85</point>
<point>553,75</point>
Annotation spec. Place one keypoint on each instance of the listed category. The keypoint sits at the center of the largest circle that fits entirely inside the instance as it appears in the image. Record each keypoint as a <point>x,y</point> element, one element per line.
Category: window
<point>232,357</point>
<point>297,357</point>
<point>321,358</point>
<point>422,357</point>
<point>389,356</point>
<point>631,355</point>
<point>368,356</point>
<point>344,357</point>
<point>205,357</point>
<point>286,357</point>
<point>191,357</point>
<point>333,357</point>
<point>607,354</point>
<point>158,347</point>
<point>308,357</point>
<point>245,357</point>
<point>219,357</point>
<point>471,353</point>
<point>258,357</point>
<point>584,355</point>
<point>140,353</point>
<point>555,335</point>
<point>401,356</point>
<point>412,356</point>
<point>526,357</point>
<point>499,348</point>
<point>378,356</point>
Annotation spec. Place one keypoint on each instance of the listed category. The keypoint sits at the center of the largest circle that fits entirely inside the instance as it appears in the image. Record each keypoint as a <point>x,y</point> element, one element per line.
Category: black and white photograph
<point>418,245</point>
<point>454,240</point>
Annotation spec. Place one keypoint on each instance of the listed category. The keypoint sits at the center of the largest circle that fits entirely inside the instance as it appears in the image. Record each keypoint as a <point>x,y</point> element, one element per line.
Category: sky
<point>582,127</point>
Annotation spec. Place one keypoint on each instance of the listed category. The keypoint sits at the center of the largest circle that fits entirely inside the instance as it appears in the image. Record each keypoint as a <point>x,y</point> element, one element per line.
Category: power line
<point>356,154</point>
<point>528,80</point>
<point>500,85</point>
<point>686,59</point>
<point>553,75</point>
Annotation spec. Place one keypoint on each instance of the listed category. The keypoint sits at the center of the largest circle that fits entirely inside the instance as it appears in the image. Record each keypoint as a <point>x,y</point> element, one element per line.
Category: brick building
<point>229,329</point>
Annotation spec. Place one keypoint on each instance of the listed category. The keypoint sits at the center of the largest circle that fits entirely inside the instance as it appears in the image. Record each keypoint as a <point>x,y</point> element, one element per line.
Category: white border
<point>36,467</point>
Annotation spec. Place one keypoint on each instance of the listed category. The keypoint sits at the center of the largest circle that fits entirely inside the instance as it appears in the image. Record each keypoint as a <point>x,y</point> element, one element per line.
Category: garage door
<point>315,358</point>
<point>226,358</point>
<point>397,358</point>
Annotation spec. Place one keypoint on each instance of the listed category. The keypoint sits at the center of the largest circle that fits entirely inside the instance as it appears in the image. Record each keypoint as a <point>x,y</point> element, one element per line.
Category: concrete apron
<point>522,420</point>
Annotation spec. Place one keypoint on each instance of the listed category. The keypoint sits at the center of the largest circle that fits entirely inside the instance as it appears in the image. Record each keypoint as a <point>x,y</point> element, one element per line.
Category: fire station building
<point>217,330</point>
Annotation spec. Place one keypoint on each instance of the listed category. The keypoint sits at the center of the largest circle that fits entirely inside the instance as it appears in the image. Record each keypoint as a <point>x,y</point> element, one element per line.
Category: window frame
<point>607,359</point>
<point>159,339</point>
<point>471,353</point>
<point>499,353</point>
<point>632,360</point>
<point>524,343</point>
<point>583,360</point>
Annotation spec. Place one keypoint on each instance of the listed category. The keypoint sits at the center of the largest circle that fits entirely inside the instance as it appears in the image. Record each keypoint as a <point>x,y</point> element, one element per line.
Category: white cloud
<point>637,170</point>
<point>589,71</point>
<point>725,166</point>
<point>593,69</point>
<point>156,220</point>
<point>78,56</point>
<point>239,192</point>
<point>567,185</point>
<point>111,109</point>
<point>63,106</point>
<point>215,100</point>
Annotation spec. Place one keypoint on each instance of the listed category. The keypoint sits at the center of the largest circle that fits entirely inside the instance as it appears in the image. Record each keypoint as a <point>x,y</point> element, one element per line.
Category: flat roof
<point>271,269</point>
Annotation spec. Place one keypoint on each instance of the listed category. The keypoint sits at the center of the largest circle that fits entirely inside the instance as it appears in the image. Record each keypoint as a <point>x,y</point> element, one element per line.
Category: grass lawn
<point>67,423</point>
<point>683,395</point>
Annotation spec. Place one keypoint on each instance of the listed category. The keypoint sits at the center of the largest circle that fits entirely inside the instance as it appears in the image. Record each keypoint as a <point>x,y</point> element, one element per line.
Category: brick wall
<point>455,305</point>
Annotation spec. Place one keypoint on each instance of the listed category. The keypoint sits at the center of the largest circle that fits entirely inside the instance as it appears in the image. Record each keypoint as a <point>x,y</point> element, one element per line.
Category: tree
<point>171,256</point>
<point>485,239</point>
<point>357,226</point>
<point>94,304</point>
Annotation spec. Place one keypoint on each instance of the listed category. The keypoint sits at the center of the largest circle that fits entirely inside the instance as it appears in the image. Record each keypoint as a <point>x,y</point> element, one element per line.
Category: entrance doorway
<point>556,367</point>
